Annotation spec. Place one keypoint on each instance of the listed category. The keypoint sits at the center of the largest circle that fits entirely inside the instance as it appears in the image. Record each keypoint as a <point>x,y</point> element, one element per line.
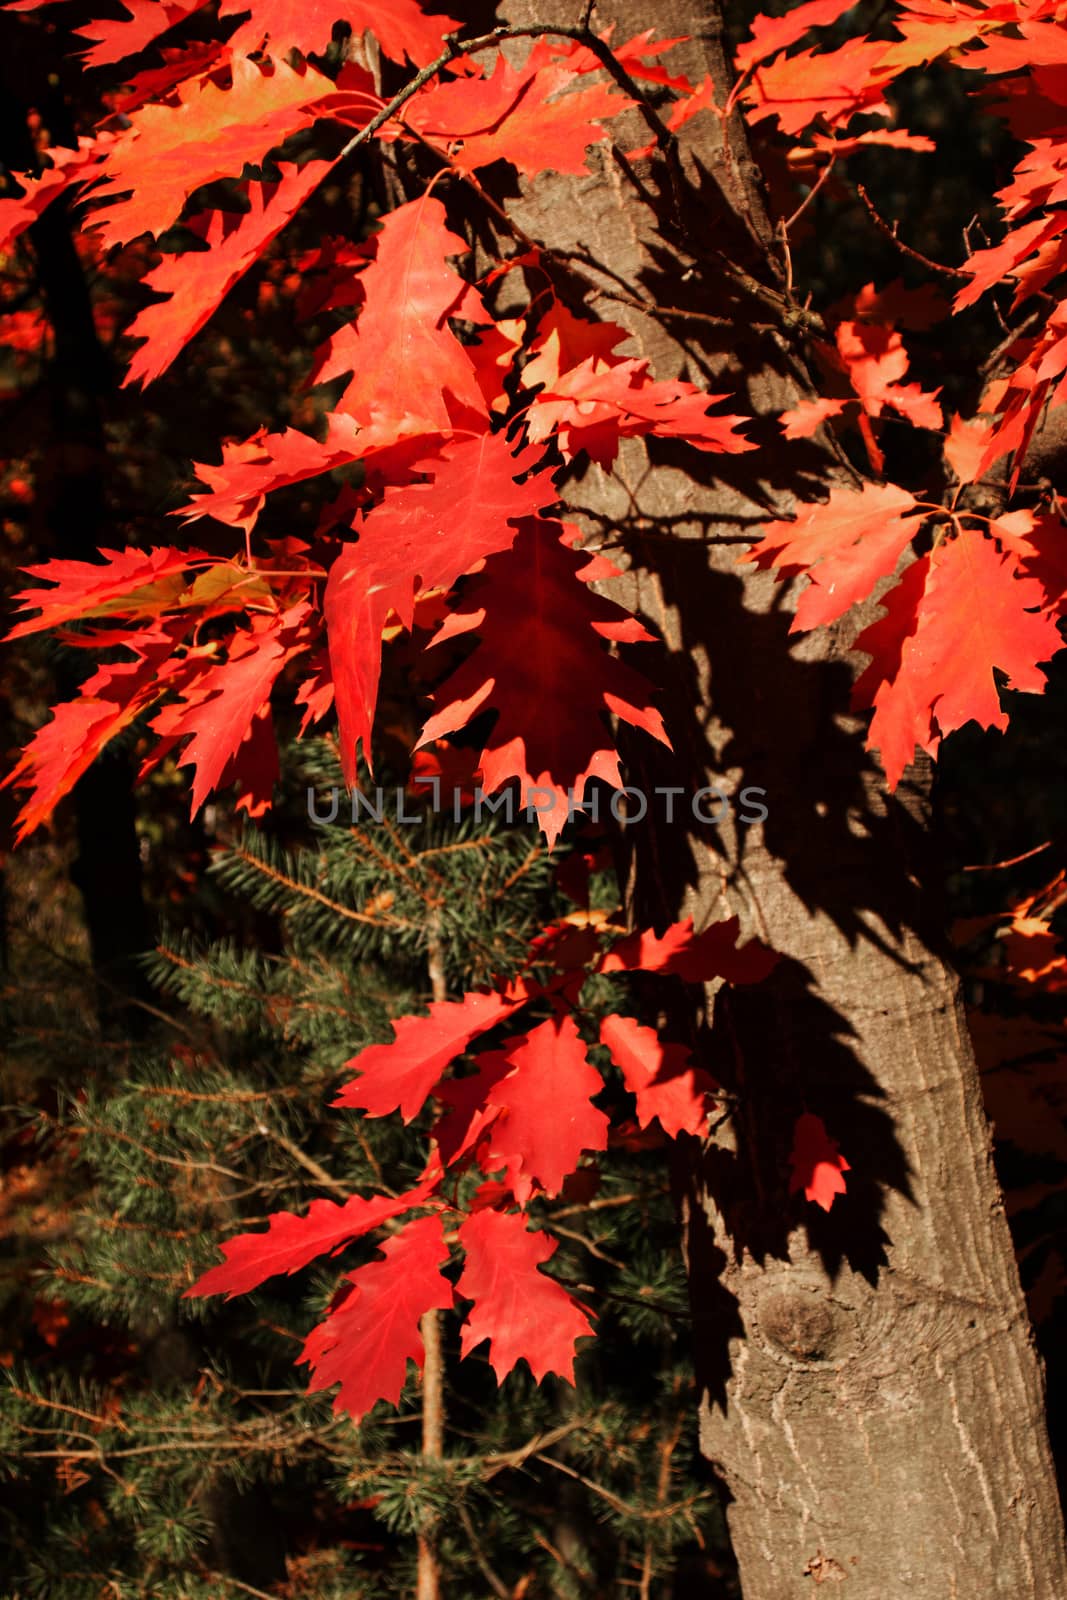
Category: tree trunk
<point>72,522</point>
<point>871,1396</point>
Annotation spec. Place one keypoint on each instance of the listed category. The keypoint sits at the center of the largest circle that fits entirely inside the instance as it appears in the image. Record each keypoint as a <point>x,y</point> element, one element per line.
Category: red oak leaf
<point>21,212</point>
<point>539,626</point>
<point>848,144</point>
<point>875,359</point>
<point>511,116</point>
<point>894,683</point>
<point>563,341</point>
<point>771,34</point>
<point>219,702</point>
<point>817,1164</point>
<point>255,467</point>
<point>977,615</point>
<point>546,1118</point>
<point>401,27</point>
<point>366,1343</point>
<point>835,85</point>
<point>966,445</point>
<point>667,1087</point>
<point>593,406</point>
<point>1039,545</point>
<point>469,1113</point>
<point>410,374</point>
<point>694,957</point>
<point>115,38</point>
<point>254,766</point>
<point>169,150</point>
<point>127,583</point>
<point>400,1076</point>
<point>197,281</point>
<point>521,1311</point>
<point>421,536</point>
<point>65,748</point>
<point>806,418</point>
<point>292,1242</point>
<point>953,621</point>
<point>844,547</point>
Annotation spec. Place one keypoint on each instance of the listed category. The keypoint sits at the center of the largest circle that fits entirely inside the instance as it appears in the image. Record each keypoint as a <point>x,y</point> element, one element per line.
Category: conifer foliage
<point>183,1449</point>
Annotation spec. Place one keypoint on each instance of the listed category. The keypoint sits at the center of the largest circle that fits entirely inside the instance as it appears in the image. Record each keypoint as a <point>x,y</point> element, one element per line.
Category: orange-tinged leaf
<point>410,374</point>
<point>511,116</point>
<point>834,84</point>
<point>771,34</point>
<point>197,281</point>
<point>518,1308</point>
<point>965,446</point>
<point>875,359</point>
<point>169,150</point>
<point>978,616</point>
<point>253,468</point>
<point>844,546</point>
<point>115,38</point>
<point>954,621</point>
<point>402,27</point>
<point>808,417</point>
<point>894,683</point>
<point>592,406</point>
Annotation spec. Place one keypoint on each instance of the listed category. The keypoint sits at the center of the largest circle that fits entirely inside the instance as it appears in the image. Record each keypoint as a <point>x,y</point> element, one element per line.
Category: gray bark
<point>870,1393</point>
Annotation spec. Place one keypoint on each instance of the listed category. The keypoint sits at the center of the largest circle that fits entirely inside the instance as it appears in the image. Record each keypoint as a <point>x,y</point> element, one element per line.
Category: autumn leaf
<point>831,85</point>
<point>816,1163</point>
<point>667,1086</point>
<point>593,406</point>
<point>541,632</point>
<point>844,546</point>
<point>521,1311</point>
<point>197,281</point>
<point>422,535</point>
<point>545,1116</point>
<point>771,34</point>
<point>115,38</point>
<point>67,745</point>
<point>292,1242</point>
<point>978,617</point>
<point>693,957</point>
<point>410,373</point>
<point>218,704</point>
<point>253,468</point>
<point>512,116</point>
<point>400,1076</point>
<point>365,1344</point>
<point>402,27</point>
<point>129,583</point>
<point>212,130</point>
<point>895,684</point>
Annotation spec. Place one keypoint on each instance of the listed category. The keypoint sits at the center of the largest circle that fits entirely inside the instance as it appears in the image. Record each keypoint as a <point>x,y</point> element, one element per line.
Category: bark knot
<point>798,1324</point>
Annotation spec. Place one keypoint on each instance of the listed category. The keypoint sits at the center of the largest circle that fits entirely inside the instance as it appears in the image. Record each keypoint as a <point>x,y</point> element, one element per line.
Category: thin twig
<point>890,232</point>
